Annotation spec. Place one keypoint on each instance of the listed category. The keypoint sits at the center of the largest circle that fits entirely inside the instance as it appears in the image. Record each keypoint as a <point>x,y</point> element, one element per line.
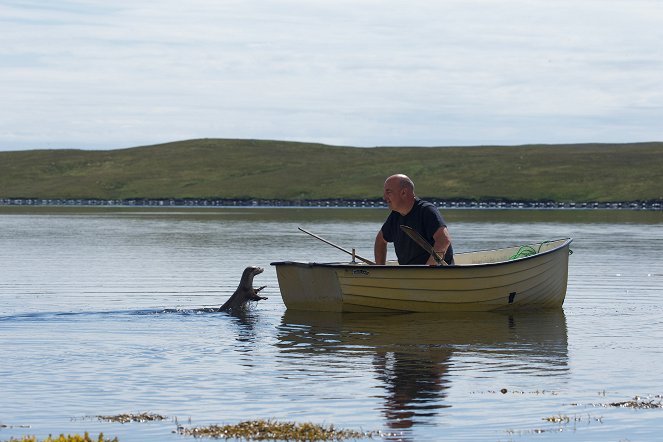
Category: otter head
<point>248,275</point>
<point>252,271</point>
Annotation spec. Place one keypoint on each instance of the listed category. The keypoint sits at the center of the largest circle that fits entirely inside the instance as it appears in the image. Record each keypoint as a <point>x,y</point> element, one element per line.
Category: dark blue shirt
<point>425,218</point>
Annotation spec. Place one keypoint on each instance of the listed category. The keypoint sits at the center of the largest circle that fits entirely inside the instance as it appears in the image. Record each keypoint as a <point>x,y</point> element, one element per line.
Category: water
<point>103,313</point>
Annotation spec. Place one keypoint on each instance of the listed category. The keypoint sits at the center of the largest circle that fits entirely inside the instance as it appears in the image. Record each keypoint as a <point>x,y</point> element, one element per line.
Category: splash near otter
<point>245,291</point>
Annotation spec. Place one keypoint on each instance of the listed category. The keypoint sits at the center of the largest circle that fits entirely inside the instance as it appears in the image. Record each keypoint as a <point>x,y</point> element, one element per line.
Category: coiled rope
<point>524,251</point>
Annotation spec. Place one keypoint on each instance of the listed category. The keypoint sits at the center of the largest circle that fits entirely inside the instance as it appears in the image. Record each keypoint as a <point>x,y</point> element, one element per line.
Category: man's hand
<point>442,241</point>
<point>431,261</point>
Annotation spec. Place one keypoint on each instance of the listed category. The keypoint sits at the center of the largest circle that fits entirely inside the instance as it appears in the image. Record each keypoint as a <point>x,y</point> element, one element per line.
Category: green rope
<point>524,251</point>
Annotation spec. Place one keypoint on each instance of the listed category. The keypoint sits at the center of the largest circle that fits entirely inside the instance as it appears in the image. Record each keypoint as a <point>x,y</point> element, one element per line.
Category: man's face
<point>393,195</point>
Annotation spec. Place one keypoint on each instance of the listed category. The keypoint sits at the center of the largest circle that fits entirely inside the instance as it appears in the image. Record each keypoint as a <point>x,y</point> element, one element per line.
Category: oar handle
<point>367,261</point>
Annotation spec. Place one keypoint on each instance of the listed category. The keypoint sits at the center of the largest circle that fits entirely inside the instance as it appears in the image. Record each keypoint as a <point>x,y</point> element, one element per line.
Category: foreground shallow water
<point>103,312</point>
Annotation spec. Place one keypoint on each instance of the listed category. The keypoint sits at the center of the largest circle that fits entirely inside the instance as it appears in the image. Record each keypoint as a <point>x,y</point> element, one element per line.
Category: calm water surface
<point>102,313</point>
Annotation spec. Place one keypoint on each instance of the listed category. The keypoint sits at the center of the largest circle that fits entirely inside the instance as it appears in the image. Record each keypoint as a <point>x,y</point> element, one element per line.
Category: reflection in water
<point>412,352</point>
<point>414,383</point>
<point>246,322</point>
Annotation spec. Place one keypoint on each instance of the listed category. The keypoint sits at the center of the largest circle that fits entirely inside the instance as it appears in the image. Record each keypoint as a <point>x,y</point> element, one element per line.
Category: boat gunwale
<point>341,265</point>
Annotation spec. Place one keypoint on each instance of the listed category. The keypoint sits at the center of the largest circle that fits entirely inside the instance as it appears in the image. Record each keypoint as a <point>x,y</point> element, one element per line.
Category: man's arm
<point>442,241</point>
<point>380,249</point>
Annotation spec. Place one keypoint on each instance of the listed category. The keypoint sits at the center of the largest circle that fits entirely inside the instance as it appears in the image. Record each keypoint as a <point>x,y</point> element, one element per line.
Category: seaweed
<point>129,417</point>
<point>67,438</point>
<point>639,403</point>
<point>273,430</point>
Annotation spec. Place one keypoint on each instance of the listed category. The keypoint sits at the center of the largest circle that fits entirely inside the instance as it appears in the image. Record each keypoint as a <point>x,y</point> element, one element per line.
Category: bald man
<point>422,216</point>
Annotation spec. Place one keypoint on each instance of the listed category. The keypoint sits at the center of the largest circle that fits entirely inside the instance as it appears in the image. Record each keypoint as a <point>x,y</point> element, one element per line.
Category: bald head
<point>402,181</point>
<point>399,193</point>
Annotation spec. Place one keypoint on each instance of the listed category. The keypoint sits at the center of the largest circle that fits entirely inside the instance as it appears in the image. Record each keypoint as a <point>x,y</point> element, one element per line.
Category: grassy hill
<point>224,168</point>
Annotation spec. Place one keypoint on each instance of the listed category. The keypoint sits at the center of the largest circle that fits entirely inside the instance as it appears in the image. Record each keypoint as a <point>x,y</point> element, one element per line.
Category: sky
<point>99,74</point>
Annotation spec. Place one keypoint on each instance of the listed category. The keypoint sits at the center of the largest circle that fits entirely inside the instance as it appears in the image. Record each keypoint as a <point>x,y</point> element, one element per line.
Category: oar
<point>367,261</point>
<point>416,237</point>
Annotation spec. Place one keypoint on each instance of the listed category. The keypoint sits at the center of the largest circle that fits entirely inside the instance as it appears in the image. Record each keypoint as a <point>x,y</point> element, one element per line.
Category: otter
<point>245,291</point>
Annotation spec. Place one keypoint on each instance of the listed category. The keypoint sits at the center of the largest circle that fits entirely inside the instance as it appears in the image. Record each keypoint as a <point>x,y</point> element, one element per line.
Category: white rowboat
<point>533,276</point>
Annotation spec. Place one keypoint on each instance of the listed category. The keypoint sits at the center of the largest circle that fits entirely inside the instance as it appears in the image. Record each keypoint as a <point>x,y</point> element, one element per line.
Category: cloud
<point>94,74</point>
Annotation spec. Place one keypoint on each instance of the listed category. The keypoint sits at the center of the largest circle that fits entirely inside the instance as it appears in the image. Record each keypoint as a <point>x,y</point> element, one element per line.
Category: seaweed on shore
<point>639,403</point>
<point>67,438</point>
<point>636,403</point>
<point>272,430</point>
<point>129,417</point>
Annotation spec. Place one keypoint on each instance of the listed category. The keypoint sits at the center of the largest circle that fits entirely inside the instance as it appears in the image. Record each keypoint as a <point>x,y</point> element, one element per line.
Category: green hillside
<point>223,168</point>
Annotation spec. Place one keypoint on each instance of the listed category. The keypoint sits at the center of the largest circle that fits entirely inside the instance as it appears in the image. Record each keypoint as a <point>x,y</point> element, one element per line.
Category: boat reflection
<point>413,354</point>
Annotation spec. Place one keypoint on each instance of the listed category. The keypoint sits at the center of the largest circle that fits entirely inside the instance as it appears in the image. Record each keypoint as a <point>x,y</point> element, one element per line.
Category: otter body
<point>245,291</point>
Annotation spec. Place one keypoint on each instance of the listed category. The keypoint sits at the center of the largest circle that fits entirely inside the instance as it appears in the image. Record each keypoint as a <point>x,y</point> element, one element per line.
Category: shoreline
<point>320,203</point>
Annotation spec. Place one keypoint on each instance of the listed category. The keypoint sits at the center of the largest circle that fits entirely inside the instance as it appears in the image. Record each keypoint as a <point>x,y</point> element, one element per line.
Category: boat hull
<point>481,281</point>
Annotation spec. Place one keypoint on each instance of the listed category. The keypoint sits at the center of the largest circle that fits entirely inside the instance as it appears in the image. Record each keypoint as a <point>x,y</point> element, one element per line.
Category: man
<point>422,216</point>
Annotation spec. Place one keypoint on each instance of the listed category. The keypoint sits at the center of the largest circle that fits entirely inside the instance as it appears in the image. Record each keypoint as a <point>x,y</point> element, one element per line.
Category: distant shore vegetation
<point>278,173</point>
